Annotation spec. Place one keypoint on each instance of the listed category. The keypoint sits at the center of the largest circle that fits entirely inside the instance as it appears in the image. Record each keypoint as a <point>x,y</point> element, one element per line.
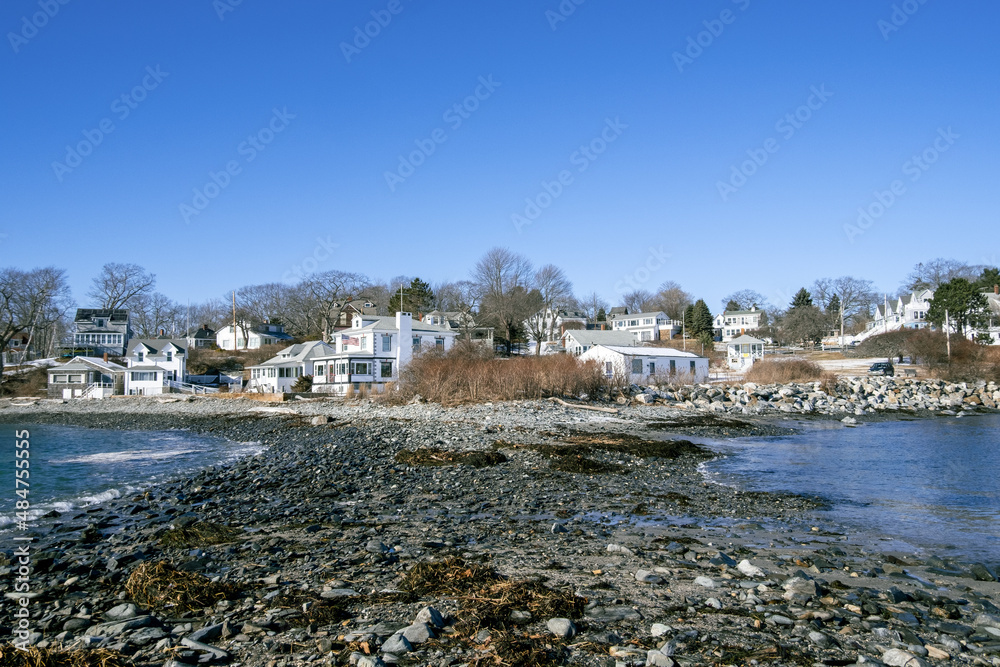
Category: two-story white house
<point>735,323</point>
<point>646,326</point>
<point>279,373</point>
<point>153,363</point>
<point>373,351</point>
<point>251,337</point>
<point>908,311</point>
<point>461,322</point>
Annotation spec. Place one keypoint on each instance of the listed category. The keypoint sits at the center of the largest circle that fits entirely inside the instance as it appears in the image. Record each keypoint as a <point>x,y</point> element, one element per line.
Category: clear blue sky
<point>201,77</point>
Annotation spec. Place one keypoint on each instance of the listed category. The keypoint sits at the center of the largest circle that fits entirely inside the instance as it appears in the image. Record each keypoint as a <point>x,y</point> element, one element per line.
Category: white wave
<point>122,457</point>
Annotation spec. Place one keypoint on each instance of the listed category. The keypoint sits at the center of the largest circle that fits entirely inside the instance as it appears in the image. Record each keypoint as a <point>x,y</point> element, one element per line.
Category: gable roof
<point>653,314</point>
<point>745,339</point>
<point>640,351</point>
<point>591,337</point>
<point>299,353</point>
<point>155,345</point>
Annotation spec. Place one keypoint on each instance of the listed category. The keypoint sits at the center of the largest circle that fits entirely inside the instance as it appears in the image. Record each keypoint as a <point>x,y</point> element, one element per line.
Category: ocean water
<point>930,484</point>
<point>72,467</point>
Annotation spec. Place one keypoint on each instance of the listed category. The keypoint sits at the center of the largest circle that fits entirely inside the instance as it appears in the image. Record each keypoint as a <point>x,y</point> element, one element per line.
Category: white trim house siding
<point>644,365</point>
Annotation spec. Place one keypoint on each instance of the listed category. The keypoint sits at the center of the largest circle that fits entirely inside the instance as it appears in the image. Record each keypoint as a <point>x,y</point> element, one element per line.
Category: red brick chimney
<point>996,289</point>
<point>105,357</point>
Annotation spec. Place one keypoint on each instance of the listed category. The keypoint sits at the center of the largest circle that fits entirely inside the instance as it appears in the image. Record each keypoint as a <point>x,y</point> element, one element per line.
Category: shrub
<point>464,376</point>
<point>304,384</point>
<point>770,371</point>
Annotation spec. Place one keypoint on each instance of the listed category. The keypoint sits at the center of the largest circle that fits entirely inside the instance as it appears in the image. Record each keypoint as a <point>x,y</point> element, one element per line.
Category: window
<point>386,343</point>
<point>320,368</point>
<point>608,370</point>
<point>170,356</point>
<point>439,343</point>
<point>386,369</point>
<point>59,378</point>
<point>637,365</point>
<point>673,366</point>
<point>75,379</point>
<point>652,368</point>
<point>342,368</point>
<point>364,342</point>
<point>416,342</point>
<point>692,368</point>
<point>139,356</point>
<point>361,367</point>
<point>143,376</point>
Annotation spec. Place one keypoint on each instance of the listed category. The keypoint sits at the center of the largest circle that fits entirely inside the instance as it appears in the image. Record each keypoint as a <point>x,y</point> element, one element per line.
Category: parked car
<point>882,368</point>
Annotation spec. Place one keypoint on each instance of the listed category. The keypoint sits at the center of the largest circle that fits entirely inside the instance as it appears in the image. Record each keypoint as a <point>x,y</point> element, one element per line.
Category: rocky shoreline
<point>515,533</point>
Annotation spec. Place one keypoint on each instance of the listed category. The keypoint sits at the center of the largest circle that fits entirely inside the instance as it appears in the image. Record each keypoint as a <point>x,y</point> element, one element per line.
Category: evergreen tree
<point>802,298</point>
<point>689,320</point>
<point>601,315</point>
<point>732,306</point>
<point>966,305</point>
<point>701,319</point>
<point>833,307</point>
<point>988,278</point>
<point>417,298</point>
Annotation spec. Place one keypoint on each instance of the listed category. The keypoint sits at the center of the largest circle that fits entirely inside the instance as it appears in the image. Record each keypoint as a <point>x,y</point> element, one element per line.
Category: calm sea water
<point>933,484</point>
<point>74,467</point>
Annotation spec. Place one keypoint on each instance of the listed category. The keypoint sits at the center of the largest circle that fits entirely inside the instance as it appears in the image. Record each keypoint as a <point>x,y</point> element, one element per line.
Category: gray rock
<point>115,628</point>
<point>658,659</point>
<point>647,577</point>
<point>749,569</point>
<point>340,593</point>
<point>321,420</point>
<point>704,582</point>
<point>418,633</point>
<point>215,651</point>
<point>397,644</point>
<point>122,612</point>
<point>895,657</point>
<point>799,589</point>
<point>612,614</point>
<point>146,636</point>
<point>562,628</point>
<point>376,547</point>
<point>819,639</point>
<point>659,629</point>
<point>74,624</point>
<point>209,633</point>
<point>431,616</point>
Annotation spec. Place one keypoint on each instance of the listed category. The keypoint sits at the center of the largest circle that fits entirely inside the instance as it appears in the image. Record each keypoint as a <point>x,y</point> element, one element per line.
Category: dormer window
<point>139,356</point>
<point>170,356</point>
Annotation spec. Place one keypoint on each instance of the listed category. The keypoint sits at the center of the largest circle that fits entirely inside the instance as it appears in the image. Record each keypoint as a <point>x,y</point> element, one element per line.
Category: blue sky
<point>255,137</point>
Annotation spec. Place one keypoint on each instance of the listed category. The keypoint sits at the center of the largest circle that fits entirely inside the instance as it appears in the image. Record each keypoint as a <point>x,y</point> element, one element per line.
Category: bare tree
<point>637,300</point>
<point>118,284</point>
<point>672,300</point>
<point>936,272</point>
<point>592,304</point>
<point>153,312</point>
<point>331,291</point>
<point>503,279</point>
<point>853,299</point>
<point>746,299</point>
<point>213,313</point>
<point>30,301</point>
<point>555,292</point>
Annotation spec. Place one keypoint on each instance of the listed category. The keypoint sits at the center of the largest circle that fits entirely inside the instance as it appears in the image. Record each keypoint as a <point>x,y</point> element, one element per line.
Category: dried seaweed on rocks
<point>432,456</point>
<point>160,586</point>
<point>203,533</point>
<point>10,656</point>
<point>313,610</point>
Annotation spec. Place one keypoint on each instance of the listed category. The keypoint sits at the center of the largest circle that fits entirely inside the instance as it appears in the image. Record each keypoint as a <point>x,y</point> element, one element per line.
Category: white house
<point>646,326</point>
<point>251,338</point>
<point>153,363</point>
<point>553,323</point>
<point>374,350</point>
<point>641,365</point>
<point>462,322</point>
<point>86,377</point>
<point>743,351</point>
<point>578,341</point>
<point>279,373</point>
<point>992,328</point>
<point>734,323</point>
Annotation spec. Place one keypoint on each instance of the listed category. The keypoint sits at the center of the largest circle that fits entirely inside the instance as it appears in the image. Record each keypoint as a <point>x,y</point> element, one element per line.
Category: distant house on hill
<point>646,326</point>
<point>252,337</point>
<point>735,323</point>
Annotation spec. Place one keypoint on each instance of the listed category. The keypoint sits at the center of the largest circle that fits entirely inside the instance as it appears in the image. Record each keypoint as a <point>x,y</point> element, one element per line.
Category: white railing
<point>188,388</point>
<point>98,390</point>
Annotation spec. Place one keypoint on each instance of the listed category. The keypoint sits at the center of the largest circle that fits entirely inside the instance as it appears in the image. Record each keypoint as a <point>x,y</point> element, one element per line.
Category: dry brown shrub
<point>161,586</point>
<point>462,376</point>
<point>769,371</point>
<point>10,656</point>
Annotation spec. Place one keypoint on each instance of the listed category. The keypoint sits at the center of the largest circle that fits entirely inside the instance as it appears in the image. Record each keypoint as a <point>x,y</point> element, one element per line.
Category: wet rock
<point>563,628</point>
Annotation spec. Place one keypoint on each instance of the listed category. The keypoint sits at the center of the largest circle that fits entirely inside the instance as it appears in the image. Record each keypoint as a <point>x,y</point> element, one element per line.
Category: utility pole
<point>234,320</point>
<point>947,333</point>
<point>841,324</point>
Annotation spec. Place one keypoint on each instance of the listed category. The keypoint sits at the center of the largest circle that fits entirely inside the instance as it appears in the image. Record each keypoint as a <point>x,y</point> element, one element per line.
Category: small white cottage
<point>640,365</point>
<point>741,352</point>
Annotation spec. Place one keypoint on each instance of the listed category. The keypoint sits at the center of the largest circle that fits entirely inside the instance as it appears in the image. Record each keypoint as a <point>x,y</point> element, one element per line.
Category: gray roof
<point>299,353</point>
<point>119,315</point>
<point>745,339</point>
<point>589,338</point>
<point>157,345</point>
<point>147,367</point>
<point>640,315</point>
<point>88,363</point>
<point>384,323</point>
<point>651,351</point>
